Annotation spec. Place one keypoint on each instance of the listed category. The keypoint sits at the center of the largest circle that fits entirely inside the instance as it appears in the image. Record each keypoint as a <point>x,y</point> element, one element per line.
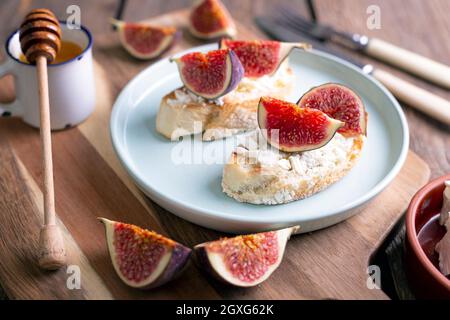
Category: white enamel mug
<point>71,83</point>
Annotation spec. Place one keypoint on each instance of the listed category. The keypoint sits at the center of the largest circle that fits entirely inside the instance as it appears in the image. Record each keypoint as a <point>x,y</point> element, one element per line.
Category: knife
<point>414,63</point>
<point>422,100</point>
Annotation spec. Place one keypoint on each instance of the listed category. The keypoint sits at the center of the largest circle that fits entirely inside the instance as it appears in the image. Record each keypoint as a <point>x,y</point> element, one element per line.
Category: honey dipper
<point>40,40</point>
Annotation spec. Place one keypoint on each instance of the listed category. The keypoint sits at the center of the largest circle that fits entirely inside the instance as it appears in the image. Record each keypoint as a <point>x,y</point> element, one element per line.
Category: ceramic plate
<point>185,179</point>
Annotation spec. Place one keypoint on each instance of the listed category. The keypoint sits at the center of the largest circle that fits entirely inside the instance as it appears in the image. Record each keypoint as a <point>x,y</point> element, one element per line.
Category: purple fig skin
<point>180,256</point>
<point>134,52</point>
<point>203,261</point>
<point>334,84</point>
<point>237,72</point>
<point>177,264</point>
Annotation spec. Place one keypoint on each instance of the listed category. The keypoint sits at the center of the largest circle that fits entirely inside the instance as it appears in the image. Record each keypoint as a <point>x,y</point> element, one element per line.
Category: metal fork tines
<point>288,18</point>
<point>296,22</point>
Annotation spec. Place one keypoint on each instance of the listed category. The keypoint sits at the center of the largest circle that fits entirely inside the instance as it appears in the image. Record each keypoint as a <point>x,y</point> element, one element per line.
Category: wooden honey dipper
<point>40,40</point>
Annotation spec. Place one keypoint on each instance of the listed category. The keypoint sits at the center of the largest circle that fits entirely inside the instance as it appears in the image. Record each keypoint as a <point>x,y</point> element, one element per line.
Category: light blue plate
<point>193,191</point>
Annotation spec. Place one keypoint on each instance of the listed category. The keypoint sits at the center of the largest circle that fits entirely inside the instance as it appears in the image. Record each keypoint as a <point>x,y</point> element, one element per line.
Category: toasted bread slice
<point>268,176</point>
<point>183,113</point>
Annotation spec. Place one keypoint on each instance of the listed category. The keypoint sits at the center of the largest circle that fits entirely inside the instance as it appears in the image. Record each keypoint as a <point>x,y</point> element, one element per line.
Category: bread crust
<point>248,183</point>
<point>218,119</point>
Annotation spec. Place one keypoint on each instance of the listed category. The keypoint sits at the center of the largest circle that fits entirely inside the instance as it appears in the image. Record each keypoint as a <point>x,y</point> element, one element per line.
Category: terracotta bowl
<point>423,232</point>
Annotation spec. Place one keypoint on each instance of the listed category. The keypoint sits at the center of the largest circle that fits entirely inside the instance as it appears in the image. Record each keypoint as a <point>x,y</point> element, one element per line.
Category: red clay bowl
<point>423,232</point>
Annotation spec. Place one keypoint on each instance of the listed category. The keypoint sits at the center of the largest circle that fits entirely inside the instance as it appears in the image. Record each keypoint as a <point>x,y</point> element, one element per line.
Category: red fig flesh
<point>244,261</point>
<point>142,258</point>
<point>209,19</point>
<point>210,75</point>
<point>261,57</point>
<point>293,129</point>
<point>145,41</point>
<point>339,102</point>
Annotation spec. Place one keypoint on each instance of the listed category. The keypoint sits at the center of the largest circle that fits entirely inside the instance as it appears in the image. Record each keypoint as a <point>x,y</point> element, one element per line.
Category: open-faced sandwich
<point>313,144</point>
<point>295,150</point>
<point>222,88</point>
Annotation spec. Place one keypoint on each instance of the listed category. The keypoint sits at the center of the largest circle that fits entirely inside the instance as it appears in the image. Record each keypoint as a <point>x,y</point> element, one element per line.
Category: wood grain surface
<point>89,181</point>
<point>417,25</point>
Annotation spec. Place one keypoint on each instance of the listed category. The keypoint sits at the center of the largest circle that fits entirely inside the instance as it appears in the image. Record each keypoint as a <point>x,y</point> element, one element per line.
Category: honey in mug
<point>69,50</point>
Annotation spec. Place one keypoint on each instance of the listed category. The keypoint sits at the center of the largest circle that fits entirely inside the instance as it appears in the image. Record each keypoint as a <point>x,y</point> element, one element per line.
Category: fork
<point>414,63</point>
<point>414,96</point>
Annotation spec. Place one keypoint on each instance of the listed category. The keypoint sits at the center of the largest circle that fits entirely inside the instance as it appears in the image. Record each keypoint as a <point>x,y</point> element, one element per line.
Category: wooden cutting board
<point>90,182</point>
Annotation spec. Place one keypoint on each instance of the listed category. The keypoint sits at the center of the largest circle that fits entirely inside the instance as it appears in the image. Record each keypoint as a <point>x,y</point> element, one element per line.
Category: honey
<point>69,50</point>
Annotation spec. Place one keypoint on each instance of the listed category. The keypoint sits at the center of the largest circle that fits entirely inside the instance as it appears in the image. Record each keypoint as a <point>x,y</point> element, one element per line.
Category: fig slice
<point>290,128</point>
<point>209,19</point>
<point>246,260</point>
<point>144,40</point>
<point>210,75</point>
<point>261,57</point>
<point>142,258</point>
<point>338,102</point>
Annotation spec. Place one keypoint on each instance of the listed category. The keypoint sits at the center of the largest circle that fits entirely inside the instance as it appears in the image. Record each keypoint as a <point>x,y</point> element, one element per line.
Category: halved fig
<point>339,102</point>
<point>244,261</point>
<point>209,19</point>
<point>290,128</point>
<point>261,57</point>
<point>143,40</point>
<point>210,75</point>
<point>142,258</point>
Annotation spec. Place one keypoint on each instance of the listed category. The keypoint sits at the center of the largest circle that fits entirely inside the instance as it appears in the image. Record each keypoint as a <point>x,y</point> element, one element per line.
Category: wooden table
<point>422,26</point>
